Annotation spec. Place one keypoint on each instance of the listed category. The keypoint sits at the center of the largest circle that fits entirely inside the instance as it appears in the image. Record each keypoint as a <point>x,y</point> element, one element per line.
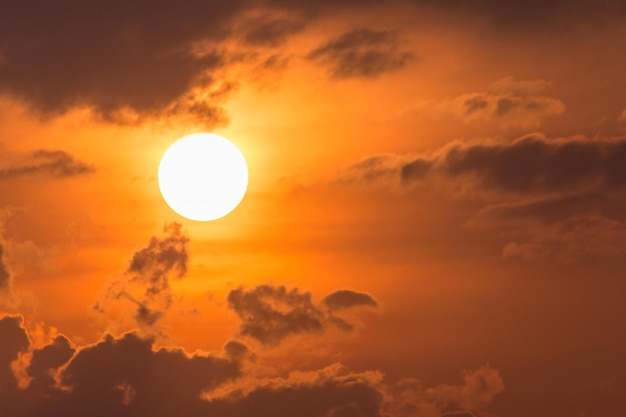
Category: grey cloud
<point>53,163</point>
<point>270,314</point>
<point>146,282</point>
<point>362,53</point>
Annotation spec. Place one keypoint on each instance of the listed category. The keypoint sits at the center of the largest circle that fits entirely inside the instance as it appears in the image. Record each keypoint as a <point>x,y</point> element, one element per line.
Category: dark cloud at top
<point>129,62</point>
<point>362,53</point>
<point>54,163</point>
<point>109,55</point>
<point>146,282</point>
<point>270,314</point>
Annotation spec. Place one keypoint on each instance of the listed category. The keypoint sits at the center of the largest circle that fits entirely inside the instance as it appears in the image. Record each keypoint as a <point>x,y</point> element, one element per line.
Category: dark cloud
<point>130,62</point>
<point>271,32</point>
<point>13,340</point>
<point>127,376</point>
<point>54,163</point>
<point>51,356</point>
<point>321,394</point>
<point>343,299</point>
<point>146,282</point>
<point>110,55</point>
<point>530,164</point>
<point>566,228</point>
<point>269,314</point>
<point>5,277</point>
<point>545,197</point>
<point>122,376</point>
<point>362,53</point>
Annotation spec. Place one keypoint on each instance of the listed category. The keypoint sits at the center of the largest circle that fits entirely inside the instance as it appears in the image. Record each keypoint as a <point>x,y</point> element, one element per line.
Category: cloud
<point>362,52</point>
<point>52,163</point>
<point>507,102</point>
<point>271,32</point>
<point>146,282</point>
<point>409,398</point>
<point>546,197</point>
<point>532,164</point>
<point>128,376</point>
<point>566,228</point>
<point>343,299</point>
<point>5,277</point>
<point>111,56</point>
<point>14,341</point>
<point>270,314</point>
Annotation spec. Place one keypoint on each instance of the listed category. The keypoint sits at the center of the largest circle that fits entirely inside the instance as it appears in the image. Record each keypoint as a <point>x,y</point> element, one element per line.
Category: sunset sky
<point>435,220</point>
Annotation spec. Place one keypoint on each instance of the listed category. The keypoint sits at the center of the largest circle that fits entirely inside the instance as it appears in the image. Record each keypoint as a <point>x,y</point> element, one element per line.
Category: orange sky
<point>434,223</point>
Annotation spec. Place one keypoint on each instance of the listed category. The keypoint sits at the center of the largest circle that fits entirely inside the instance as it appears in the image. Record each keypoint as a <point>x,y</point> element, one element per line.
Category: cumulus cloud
<point>362,52</point>
<point>146,282</point>
<point>52,163</point>
<point>125,376</point>
<point>270,314</point>
<point>128,376</point>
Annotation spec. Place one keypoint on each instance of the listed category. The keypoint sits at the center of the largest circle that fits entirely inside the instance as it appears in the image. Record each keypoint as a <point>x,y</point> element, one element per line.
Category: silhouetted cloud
<point>13,341</point>
<point>362,52</point>
<point>343,299</point>
<point>530,164</point>
<point>127,376</point>
<point>146,282</point>
<point>562,227</point>
<point>54,163</point>
<point>5,277</point>
<point>269,314</point>
<point>548,197</point>
<point>110,56</point>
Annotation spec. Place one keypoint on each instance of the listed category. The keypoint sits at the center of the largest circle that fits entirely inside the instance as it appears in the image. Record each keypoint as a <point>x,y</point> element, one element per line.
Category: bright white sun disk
<point>203,176</point>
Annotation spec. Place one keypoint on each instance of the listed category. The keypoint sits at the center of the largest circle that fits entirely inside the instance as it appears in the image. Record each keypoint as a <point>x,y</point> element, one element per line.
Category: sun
<point>203,176</point>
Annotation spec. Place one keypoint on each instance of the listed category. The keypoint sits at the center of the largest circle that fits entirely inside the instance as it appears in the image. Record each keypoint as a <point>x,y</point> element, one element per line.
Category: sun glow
<point>203,176</point>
